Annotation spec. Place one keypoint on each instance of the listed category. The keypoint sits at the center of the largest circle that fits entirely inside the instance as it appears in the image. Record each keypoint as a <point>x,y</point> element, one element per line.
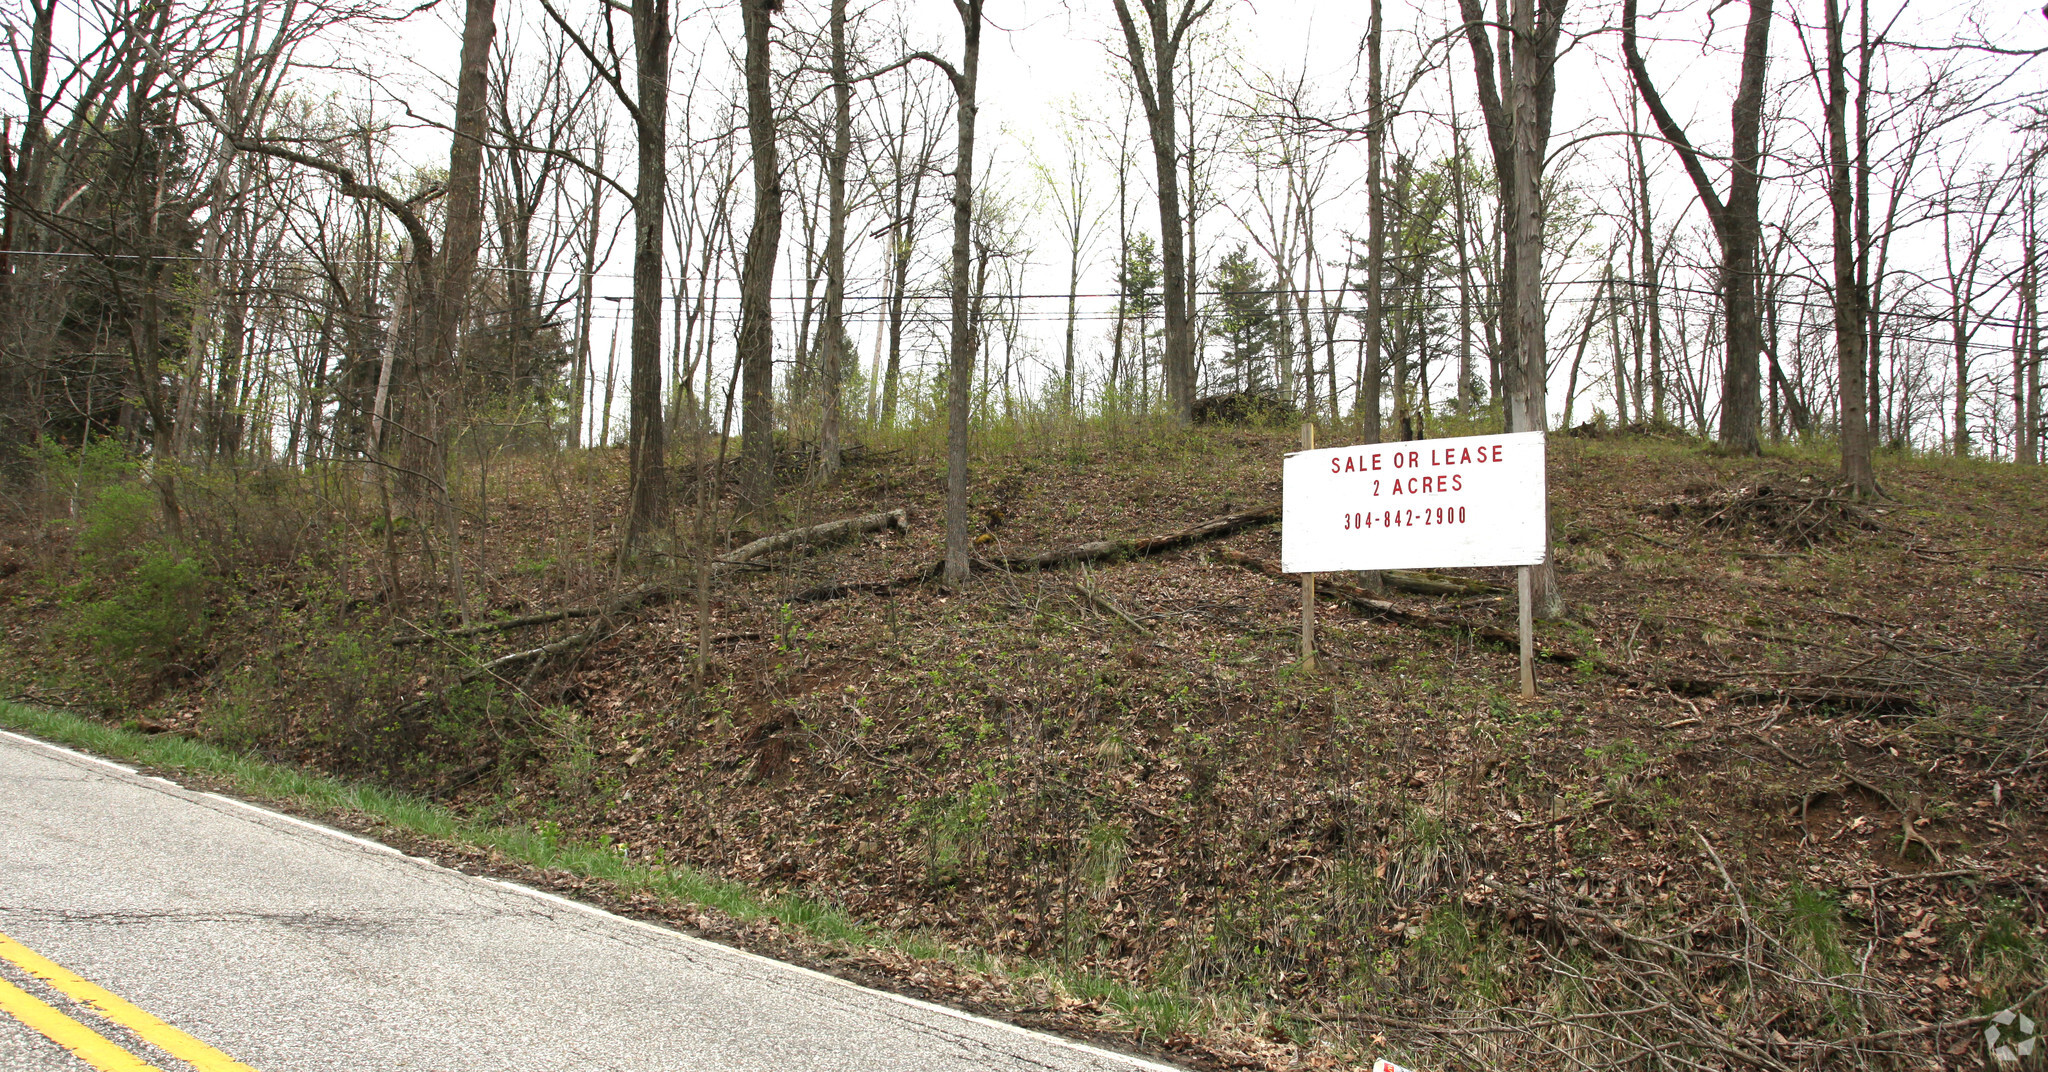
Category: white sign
<point>1424,504</point>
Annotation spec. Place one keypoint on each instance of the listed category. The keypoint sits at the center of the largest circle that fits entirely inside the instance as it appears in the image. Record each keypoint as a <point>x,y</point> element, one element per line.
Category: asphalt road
<point>186,930</point>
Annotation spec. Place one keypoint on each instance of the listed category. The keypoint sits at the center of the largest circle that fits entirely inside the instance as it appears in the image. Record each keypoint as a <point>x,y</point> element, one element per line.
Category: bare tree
<point>1153,54</point>
<point>834,328</point>
<point>1649,271</point>
<point>1973,211</point>
<point>756,350</point>
<point>647,104</point>
<point>1518,129</point>
<point>1371,381</point>
<point>258,60</point>
<point>907,142</point>
<point>1851,295</point>
<point>960,358</point>
<point>1078,217</point>
<point>586,299</point>
<point>1736,221</point>
<point>2026,334</point>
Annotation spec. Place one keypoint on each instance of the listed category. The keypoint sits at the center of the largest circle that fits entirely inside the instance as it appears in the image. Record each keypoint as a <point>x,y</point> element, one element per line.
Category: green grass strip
<point>541,848</point>
<point>1156,1013</point>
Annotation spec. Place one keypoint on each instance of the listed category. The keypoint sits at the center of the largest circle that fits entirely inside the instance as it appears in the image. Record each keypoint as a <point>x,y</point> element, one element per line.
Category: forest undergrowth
<point>1778,805</point>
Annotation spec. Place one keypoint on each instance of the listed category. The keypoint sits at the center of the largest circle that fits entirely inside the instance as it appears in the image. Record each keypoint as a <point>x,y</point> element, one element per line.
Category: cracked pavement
<point>291,947</point>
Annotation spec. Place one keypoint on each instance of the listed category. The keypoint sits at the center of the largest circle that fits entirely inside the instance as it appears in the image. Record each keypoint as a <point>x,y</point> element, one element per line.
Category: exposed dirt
<point>1783,811</point>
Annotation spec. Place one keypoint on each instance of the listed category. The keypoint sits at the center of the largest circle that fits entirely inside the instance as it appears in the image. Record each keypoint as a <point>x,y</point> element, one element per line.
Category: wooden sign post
<point>1528,636</point>
<point>1308,580</point>
<point>1431,503</point>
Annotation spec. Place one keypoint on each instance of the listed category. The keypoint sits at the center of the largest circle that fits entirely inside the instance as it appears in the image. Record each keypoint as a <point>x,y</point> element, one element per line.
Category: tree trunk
<point>1614,338</point>
<point>834,327</point>
<point>1460,228</point>
<point>1535,81</point>
<point>1191,293</point>
<point>1529,133</point>
<point>1867,283</point>
<point>449,299</point>
<point>899,283</point>
<point>611,372</point>
<point>1571,382</point>
<point>1736,222</point>
<point>756,349</point>
<point>1741,395</point>
<point>1959,337</point>
<point>1123,257</point>
<point>1518,131</point>
<point>1156,82</point>
<point>206,287</point>
<point>585,306</point>
<point>1852,424</point>
<point>961,359</point>
<point>2027,342</point>
<point>23,176</point>
<point>2034,341</point>
<point>645,447</point>
<point>1653,314</point>
<point>1370,386</point>
<point>1075,204</point>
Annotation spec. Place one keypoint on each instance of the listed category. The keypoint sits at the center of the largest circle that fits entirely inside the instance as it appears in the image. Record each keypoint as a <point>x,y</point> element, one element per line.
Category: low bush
<point>150,618</point>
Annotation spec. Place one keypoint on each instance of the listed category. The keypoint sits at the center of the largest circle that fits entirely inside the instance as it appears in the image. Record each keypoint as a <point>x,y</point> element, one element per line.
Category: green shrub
<point>151,617</point>
<point>69,477</point>
<point>114,525</point>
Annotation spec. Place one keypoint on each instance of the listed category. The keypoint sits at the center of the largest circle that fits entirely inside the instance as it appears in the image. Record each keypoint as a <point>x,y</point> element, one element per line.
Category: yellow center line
<point>81,1040</point>
<point>163,1036</point>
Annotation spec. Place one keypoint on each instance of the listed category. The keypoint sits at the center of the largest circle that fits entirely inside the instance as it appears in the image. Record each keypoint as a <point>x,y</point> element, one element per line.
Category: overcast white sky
<point>1043,59</point>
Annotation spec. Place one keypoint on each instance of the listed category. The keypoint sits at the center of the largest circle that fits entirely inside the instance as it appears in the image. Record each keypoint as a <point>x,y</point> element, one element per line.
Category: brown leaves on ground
<point>1799,513</point>
<point>1780,816</point>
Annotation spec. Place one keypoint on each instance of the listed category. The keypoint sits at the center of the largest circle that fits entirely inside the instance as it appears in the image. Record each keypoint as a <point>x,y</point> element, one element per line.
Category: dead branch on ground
<point>1363,600</point>
<point>666,591</point>
<point>1091,552</point>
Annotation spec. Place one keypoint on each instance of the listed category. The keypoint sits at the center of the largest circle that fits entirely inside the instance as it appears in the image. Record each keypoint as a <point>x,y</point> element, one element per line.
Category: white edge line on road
<point>137,773</point>
<point>74,753</point>
<point>690,939</point>
<point>315,827</point>
<point>1112,1055</point>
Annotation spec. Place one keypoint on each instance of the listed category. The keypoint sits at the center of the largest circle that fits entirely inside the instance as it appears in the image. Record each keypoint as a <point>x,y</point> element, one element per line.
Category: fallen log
<point>817,535</point>
<point>1819,696</point>
<point>1438,584</point>
<point>543,618</point>
<point>1207,530</point>
<point>660,592</point>
<point>1117,550</point>
<point>1366,601</point>
<point>1090,552</point>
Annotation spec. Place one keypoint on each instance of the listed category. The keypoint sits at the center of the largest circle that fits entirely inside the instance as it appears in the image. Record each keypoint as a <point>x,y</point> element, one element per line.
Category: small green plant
<point>243,716</point>
<point>117,521</point>
<point>2006,956</point>
<point>1103,856</point>
<point>565,743</point>
<point>535,567</point>
<point>151,618</point>
<point>1619,762</point>
<point>1814,925</point>
<point>952,826</point>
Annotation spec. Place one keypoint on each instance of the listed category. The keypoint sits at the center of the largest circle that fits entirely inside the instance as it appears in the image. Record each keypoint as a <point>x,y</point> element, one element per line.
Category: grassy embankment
<point>1772,807</point>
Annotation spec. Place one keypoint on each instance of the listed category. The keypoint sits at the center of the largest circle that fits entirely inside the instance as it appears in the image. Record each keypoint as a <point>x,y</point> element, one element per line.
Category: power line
<point>1480,304</point>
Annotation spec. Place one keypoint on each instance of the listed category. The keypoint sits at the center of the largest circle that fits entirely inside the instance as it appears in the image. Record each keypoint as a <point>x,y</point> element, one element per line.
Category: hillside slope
<point>1777,805</point>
